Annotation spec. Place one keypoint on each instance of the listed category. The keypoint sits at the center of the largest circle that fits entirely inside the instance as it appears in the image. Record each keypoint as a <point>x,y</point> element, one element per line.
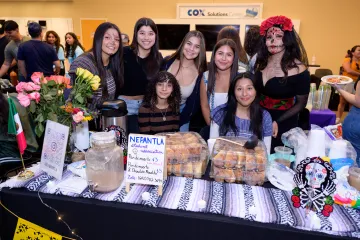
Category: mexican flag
<point>15,127</point>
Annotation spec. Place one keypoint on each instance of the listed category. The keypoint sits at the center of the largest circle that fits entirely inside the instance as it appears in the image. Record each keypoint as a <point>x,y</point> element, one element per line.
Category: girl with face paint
<point>281,76</point>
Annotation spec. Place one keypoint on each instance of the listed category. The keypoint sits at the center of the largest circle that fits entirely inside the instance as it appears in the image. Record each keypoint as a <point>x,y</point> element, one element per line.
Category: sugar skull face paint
<point>274,40</point>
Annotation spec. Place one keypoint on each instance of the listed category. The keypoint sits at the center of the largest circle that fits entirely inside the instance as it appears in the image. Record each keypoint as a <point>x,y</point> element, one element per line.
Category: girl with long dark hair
<point>351,68</point>
<point>104,60</point>
<point>251,45</point>
<point>53,39</point>
<point>242,115</point>
<point>142,61</point>
<point>187,64</point>
<point>231,33</point>
<point>282,77</point>
<point>160,109</point>
<point>216,81</point>
<point>73,47</point>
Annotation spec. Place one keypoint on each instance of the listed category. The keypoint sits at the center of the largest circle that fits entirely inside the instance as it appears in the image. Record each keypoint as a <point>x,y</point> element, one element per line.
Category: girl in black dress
<point>281,75</point>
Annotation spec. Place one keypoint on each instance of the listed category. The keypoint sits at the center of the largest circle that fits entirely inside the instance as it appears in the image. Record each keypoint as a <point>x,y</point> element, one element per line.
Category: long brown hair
<point>231,33</point>
<point>76,43</point>
<point>200,60</point>
<point>154,59</point>
<point>57,41</point>
<point>213,67</point>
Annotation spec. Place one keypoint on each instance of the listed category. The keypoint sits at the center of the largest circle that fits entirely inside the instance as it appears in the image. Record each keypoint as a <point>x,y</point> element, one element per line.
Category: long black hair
<point>200,60</point>
<point>57,41</point>
<point>294,50</point>
<point>153,62</point>
<point>150,98</point>
<point>116,60</point>
<point>252,40</point>
<point>229,112</point>
<point>70,50</point>
<point>350,53</point>
<point>213,68</point>
<point>231,33</point>
<point>4,113</point>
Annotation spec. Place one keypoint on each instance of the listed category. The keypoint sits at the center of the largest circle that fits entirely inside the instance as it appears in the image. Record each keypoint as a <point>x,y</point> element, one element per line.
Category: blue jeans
<point>351,130</point>
<point>184,127</point>
<point>133,112</point>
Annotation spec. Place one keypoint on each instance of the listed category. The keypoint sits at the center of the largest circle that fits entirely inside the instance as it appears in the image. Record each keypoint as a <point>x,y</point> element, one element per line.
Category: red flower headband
<point>284,23</point>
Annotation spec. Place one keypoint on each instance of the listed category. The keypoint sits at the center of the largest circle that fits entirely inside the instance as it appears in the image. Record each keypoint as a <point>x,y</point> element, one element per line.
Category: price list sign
<point>145,160</point>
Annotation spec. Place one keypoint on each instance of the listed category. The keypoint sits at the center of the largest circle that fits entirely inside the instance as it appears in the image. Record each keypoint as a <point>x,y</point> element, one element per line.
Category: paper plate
<point>336,79</point>
<point>281,176</point>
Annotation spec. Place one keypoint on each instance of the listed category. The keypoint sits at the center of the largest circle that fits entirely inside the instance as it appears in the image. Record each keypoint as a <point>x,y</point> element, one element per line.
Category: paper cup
<point>316,143</point>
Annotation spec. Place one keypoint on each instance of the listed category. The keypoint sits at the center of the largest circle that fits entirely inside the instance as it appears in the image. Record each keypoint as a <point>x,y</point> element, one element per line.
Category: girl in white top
<point>187,64</point>
<point>73,47</point>
<point>215,84</point>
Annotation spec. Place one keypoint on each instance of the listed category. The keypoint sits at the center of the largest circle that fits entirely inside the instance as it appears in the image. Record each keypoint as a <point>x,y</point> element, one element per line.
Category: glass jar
<point>104,163</point>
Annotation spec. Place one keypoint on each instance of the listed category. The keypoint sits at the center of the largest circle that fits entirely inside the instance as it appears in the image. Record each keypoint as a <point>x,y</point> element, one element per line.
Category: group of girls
<point>162,94</point>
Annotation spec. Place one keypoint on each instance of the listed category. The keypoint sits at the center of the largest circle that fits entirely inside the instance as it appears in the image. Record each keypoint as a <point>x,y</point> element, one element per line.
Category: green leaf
<point>51,83</point>
<point>53,92</point>
<point>39,118</point>
<point>39,130</point>
<point>48,97</point>
<point>80,99</point>
<point>32,106</point>
<point>53,117</point>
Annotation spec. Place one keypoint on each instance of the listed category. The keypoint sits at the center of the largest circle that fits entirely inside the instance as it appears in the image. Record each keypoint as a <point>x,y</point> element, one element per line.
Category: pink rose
<point>20,87</point>
<point>23,99</point>
<point>35,96</point>
<point>78,117</point>
<point>36,76</point>
<point>59,79</point>
<point>45,80</point>
<point>30,86</point>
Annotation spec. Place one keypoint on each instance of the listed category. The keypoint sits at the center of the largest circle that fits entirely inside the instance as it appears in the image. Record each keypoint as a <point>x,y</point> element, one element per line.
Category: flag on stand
<point>15,127</point>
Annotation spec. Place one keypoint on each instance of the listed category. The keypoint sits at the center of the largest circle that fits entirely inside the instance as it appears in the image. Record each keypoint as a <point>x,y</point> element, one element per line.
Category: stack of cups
<point>316,143</point>
<point>338,149</point>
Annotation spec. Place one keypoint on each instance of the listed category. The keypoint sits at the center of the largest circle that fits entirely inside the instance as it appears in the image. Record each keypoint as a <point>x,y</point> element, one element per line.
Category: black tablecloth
<point>101,220</point>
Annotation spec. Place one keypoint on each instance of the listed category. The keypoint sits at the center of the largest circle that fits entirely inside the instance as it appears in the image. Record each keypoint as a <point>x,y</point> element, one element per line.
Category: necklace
<point>164,114</point>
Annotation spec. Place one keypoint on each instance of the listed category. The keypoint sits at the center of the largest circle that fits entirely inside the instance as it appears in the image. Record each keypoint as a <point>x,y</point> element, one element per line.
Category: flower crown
<point>284,23</point>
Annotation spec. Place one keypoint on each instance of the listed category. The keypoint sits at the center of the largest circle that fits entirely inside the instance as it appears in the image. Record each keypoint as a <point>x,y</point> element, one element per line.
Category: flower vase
<point>82,139</point>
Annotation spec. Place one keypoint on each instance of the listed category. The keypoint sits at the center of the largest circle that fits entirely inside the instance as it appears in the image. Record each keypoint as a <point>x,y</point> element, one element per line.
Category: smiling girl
<point>159,111</point>
<point>242,115</point>
<point>142,61</point>
<point>53,39</point>
<point>73,47</point>
<point>187,64</point>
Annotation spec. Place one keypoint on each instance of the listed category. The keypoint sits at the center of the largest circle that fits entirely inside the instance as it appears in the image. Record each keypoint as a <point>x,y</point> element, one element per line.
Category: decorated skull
<point>315,174</point>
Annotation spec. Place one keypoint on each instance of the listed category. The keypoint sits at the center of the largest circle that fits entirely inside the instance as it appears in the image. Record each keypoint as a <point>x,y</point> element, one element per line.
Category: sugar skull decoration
<point>121,138</point>
<point>314,180</point>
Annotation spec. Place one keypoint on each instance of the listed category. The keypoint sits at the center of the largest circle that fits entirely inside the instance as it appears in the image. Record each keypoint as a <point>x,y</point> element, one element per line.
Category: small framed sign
<point>54,148</point>
<point>146,160</point>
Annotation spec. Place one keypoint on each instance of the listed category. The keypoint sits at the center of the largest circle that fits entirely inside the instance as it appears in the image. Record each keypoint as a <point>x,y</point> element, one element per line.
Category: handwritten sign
<point>145,160</point>
<point>54,148</point>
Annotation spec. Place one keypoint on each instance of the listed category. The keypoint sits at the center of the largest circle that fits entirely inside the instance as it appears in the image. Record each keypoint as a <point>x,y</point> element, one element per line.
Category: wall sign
<point>146,160</point>
<point>213,11</point>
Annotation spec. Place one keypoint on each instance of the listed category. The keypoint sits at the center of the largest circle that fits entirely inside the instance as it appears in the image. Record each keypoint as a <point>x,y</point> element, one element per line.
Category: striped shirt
<point>243,125</point>
<point>87,62</point>
<point>152,122</point>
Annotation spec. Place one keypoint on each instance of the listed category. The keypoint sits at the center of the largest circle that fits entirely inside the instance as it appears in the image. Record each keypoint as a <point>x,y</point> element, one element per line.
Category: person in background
<point>231,33</point>
<point>187,64</point>
<point>52,38</point>
<point>4,40</point>
<point>251,45</point>
<point>159,112</point>
<point>142,61</point>
<point>281,75</point>
<point>214,86</point>
<point>73,47</point>
<point>242,115</point>
<point>105,60</point>
<point>125,39</point>
<point>37,56</point>
<point>350,126</point>
<point>351,66</point>
<point>11,50</point>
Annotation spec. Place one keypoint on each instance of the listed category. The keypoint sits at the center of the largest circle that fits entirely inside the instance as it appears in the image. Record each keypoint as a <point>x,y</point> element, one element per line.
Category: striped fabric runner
<point>253,203</point>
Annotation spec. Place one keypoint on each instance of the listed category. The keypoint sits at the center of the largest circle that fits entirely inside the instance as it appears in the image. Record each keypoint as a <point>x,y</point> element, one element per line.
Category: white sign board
<point>54,148</point>
<point>145,159</point>
<point>218,11</point>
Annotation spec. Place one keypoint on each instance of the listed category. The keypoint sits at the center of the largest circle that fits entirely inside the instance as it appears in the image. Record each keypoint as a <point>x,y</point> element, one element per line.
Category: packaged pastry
<point>186,153</point>
<point>231,162</point>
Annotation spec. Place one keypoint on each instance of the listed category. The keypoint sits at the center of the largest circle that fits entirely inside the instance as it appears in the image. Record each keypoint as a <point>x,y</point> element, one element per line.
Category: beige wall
<point>328,27</point>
